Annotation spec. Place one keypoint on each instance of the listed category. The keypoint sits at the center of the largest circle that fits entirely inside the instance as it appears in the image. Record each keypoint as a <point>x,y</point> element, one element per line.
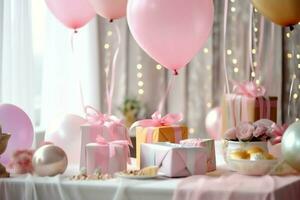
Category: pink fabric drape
<point>233,186</point>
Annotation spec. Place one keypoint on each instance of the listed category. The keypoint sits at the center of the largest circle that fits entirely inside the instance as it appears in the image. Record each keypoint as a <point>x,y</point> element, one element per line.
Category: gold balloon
<point>49,160</point>
<point>282,12</point>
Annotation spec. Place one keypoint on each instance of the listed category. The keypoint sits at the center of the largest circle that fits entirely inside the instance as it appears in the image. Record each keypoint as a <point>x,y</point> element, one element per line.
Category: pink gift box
<point>106,158</point>
<point>209,145</point>
<point>174,160</point>
<point>110,131</point>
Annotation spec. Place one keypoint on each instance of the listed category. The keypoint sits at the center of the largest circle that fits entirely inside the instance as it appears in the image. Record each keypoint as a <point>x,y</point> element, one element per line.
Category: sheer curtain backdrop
<point>42,74</point>
<point>39,71</point>
<point>17,85</point>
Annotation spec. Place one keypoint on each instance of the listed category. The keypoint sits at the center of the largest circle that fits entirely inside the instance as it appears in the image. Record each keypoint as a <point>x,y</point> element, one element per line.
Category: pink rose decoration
<point>260,131</point>
<point>230,134</point>
<point>21,161</point>
<point>244,131</point>
<point>277,132</point>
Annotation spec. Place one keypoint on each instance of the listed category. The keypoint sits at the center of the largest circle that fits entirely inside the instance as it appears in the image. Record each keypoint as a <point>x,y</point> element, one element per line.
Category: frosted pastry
<point>149,171</point>
<point>239,154</point>
<point>257,156</point>
<point>255,149</point>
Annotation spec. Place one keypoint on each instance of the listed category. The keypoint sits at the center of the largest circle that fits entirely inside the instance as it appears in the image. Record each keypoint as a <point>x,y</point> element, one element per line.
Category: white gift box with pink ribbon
<point>209,145</point>
<point>108,127</point>
<point>174,160</point>
<point>107,157</point>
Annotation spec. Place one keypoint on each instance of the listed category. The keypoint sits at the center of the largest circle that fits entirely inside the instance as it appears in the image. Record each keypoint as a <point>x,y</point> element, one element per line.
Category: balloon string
<point>271,54</point>
<point>166,94</point>
<point>250,41</point>
<point>290,98</point>
<point>78,77</point>
<point>261,42</point>
<point>72,40</point>
<point>224,46</point>
<point>292,83</point>
<point>111,86</point>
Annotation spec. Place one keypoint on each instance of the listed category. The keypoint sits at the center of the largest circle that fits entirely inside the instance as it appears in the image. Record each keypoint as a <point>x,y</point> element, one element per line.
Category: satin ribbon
<point>112,147</point>
<point>159,120</point>
<point>249,89</point>
<point>112,122</point>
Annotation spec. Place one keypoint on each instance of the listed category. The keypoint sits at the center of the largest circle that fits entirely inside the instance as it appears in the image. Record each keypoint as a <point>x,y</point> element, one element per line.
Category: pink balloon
<point>16,122</point>
<point>110,9</point>
<point>65,133</point>
<point>72,13</point>
<point>171,31</point>
<point>213,123</point>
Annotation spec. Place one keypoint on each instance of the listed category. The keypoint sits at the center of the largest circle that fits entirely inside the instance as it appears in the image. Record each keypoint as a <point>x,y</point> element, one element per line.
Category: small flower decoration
<point>261,130</point>
<point>244,131</point>
<point>21,161</point>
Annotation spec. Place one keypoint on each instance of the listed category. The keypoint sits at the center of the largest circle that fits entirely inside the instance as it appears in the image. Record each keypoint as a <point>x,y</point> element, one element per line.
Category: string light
<point>255,29</point>
<point>229,52</point>
<point>298,56</point>
<point>205,50</point>
<point>139,66</point>
<point>139,75</point>
<point>299,66</point>
<point>288,35</point>
<point>208,104</point>
<point>208,67</point>
<point>253,74</point>
<point>257,82</point>
<point>236,70</point>
<point>255,64</point>
<point>289,55</point>
<point>234,61</point>
<point>297,119</point>
<point>109,33</point>
<point>140,83</point>
<point>141,91</point>
<point>253,51</point>
<point>295,96</point>
<point>233,9</point>
<point>106,46</point>
<point>158,67</point>
<point>191,130</point>
<point>299,86</point>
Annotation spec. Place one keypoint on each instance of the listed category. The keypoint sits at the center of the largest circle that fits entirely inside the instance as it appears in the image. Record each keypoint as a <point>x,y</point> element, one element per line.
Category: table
<point>59,187</point>
<point>28,187</point>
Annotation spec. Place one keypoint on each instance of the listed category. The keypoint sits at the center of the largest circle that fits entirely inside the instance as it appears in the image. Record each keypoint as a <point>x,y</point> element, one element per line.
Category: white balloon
<point>291,145</point>
<point>65,133</point>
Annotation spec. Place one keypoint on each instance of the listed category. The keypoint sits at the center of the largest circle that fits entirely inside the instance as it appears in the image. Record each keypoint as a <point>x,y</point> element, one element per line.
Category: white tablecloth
<point>29,187</point>
<point>61,188</point>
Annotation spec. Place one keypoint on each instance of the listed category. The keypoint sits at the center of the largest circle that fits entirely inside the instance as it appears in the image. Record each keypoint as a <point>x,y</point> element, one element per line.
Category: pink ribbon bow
<point>157,120</point>
<point>95,117</point>
<point>249,89</point>
<point>113,144</point>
